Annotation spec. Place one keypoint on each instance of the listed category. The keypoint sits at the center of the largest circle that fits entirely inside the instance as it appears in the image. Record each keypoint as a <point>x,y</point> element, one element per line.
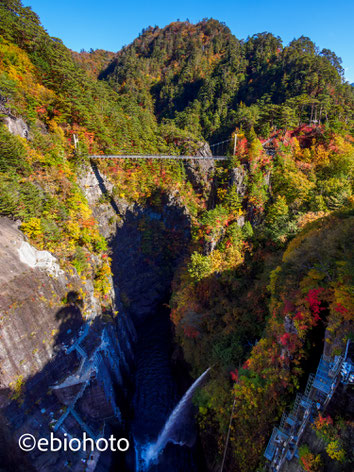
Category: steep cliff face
<point>32,290</point>
<point>60,362</point>
<point>150,242</point>
<point>97,190</point>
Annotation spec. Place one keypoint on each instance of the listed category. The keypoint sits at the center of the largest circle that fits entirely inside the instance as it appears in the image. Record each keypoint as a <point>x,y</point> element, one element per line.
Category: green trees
<point>232,200</point>
<point>200,77</point>
<point>200,266</point>
<point>247,117</point>
<point>278,225</point>
<point>13,155</point>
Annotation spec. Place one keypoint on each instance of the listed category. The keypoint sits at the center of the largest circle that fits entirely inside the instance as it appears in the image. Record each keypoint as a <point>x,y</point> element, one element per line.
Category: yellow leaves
<point>55,128</point>
<point>78,207</point>
<point>297,152</point>
<point>221,261</point>
<point>73,229</point>
<point>343,146</point>
<point>343,301</point>
<point>233,257</point>
<point>306,155</point>
<point>316,275</point>
<point>273,280</point>
<point>311,216</point>
<point>221,193</point>
<point>17,65</point>
<point>255,149</point>
<point>217,261</point>
<point>18,387</point>
<point>32,155</point>
<point>102,282</point>
<point>32,228</point>
<point>14,60</point>
<point>84,210</point>
<point>336,451</point>
<point>320,154</point>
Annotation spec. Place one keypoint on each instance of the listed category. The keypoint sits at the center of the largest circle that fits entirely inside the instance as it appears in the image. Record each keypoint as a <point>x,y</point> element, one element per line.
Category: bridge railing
<point>156,156</point>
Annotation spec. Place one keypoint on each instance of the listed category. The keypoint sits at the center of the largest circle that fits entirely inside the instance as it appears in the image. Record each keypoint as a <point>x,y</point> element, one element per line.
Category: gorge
<point>102,375</point>
<point>122,281</point>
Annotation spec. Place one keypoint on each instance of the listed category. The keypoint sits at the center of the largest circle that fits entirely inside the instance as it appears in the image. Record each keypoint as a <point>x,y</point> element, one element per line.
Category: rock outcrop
<point>238,178</point>
<point>17,126</point>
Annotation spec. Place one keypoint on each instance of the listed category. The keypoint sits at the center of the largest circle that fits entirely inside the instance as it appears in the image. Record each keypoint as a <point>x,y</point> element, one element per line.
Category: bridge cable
<point>228,435</point>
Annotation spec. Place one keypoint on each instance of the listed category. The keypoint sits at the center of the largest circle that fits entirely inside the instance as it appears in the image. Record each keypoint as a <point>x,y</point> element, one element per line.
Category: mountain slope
<point>204,79</point>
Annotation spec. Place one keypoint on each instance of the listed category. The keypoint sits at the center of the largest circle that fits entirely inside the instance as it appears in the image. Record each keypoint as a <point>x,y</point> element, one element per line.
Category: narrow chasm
<point>149,243</point>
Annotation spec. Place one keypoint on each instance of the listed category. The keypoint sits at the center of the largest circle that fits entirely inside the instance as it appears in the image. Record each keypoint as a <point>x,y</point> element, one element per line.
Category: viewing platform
<point>285,439</point>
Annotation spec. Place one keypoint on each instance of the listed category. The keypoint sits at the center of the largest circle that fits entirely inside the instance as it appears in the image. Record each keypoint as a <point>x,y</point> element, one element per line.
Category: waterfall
<point>171,431</point>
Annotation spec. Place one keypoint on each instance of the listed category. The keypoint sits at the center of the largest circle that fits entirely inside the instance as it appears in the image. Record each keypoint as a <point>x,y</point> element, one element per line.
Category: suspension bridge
<point>157,156</point>
<point>218,153</point>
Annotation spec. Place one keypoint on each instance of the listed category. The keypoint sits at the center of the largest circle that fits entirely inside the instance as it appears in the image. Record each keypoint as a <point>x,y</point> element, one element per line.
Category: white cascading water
<point>151,452</point>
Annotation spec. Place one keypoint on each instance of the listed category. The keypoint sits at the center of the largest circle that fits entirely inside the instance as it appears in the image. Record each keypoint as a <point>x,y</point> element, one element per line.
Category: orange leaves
<point>41,110</point>
<point>323,421</point>
<point>88,223</point>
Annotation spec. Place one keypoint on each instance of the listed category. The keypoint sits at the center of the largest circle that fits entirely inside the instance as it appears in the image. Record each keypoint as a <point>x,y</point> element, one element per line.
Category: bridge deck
<point>142,156</point>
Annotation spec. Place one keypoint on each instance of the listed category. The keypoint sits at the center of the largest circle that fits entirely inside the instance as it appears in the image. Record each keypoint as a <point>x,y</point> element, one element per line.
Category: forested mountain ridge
<point>206,81</point>
<point>267,281</point>
<point>93,61</point>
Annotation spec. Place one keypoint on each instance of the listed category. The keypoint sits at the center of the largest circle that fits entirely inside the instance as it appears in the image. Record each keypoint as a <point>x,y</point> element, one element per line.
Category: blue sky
<point>107,24</point>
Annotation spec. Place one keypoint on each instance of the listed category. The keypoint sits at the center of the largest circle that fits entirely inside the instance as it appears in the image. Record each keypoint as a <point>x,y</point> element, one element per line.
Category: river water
<point>155,397</point>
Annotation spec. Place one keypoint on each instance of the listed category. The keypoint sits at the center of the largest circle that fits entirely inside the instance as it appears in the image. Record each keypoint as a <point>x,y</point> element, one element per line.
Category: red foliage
<point>315,303</point>
<point>234,375</point>
<point>190,332</point>
<point>288,307</point>
<point>341,309</point>
<point>284,339</point>
<point>324,420</point>
<point>41,110</point>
